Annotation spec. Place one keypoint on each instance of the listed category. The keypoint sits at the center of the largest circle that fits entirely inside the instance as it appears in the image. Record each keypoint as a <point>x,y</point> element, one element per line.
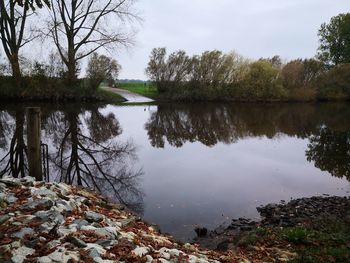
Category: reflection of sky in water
<point>196,184</point>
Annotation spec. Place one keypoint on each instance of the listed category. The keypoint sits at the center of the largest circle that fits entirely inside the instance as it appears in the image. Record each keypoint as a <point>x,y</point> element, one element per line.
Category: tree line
<point>75,29</point>
<point>217,75</point>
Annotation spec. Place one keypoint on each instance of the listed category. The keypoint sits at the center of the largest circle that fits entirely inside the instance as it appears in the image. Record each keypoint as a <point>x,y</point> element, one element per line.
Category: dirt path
<point>129,96</point>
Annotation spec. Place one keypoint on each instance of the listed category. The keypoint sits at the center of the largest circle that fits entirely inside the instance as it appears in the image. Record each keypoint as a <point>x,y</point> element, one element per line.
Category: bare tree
<point>32,3</point>
<point>13,20</point>
<point>80,27</point>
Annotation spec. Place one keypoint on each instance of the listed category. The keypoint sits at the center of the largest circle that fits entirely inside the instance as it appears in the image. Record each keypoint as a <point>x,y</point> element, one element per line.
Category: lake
<point>186,165</point>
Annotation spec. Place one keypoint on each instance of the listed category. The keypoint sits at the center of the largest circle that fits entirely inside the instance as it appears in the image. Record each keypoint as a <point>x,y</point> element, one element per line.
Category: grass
<point>323,241</point>
<point>143,89</point>
<point>53,89</point>
<point>109,96</point>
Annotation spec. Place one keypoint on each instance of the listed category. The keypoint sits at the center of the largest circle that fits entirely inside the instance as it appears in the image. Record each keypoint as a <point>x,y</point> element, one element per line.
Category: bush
<point>263,82</point>
<point>102,68</point>
<point>335,83</point>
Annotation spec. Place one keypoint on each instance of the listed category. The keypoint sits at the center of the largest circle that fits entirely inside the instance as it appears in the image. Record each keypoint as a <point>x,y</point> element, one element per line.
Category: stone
<point>44,192</point>
<point>128,221</point>
<point>80,223</point>
<point>45,259</point>
<point>95,250</point>
<point>11,199</point>
<point>51,215</point>
<point>141,251</point>
<point>77,242</point>
<point>20,254</point>
<point>94,217</point>
<point>4,219</point>
<point>43,204</point>
<point>23,232</point>
<point>106,243</point>
<point>10,181</point>
<point>100,260</point>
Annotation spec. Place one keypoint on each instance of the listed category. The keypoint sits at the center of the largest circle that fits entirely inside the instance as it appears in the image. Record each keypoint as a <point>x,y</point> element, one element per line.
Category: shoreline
<point>55,222</point>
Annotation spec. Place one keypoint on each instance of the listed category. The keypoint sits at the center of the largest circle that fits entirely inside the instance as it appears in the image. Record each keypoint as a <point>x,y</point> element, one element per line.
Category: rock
<point>106,243</point>
<point>10,181</point>
<point>44,260</point>
<point>2,187</point>
<point>11,199</point>
<point>127,222</point>
<point>42,204</point>
<point>100,260</point>
<point>51,215</point>
<point>23,232</point>
<point>44,192</point>
<point>94,217</point>
<point>77,242</point>
<point>141,251</point>
<point>20,254</point>
<point>80,223</point>
<point>4,218</point>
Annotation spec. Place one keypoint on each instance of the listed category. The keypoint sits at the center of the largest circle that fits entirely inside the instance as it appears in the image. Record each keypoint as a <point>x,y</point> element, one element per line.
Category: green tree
<point>334,46</point>
<point>102,68</point>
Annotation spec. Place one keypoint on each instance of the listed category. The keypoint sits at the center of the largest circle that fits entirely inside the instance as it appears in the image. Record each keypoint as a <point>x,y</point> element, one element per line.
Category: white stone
<point>63,231</point>
<point>88,228</point>
<point>19,255</point>
<point>99,248</point>
<point>100,260</point>
<point>149,259</point>
<point>44,260</point>
<point>141,251</point>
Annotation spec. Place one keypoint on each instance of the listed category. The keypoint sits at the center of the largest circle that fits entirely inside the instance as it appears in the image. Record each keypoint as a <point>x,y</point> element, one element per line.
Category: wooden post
<point>34,142</point>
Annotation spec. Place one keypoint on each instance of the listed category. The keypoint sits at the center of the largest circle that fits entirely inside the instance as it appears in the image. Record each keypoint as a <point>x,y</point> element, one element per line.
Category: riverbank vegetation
<point>214,75</point>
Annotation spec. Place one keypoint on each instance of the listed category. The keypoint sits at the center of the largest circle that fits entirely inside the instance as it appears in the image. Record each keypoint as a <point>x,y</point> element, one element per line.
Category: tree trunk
<point>16,70</point>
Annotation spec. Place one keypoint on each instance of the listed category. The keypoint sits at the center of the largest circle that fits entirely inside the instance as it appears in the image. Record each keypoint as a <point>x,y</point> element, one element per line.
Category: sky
<point>253,28</point>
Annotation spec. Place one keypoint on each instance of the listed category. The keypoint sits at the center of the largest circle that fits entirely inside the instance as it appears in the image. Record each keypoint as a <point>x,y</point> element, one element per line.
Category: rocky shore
<point>296,213</point>
<point>53,222</point>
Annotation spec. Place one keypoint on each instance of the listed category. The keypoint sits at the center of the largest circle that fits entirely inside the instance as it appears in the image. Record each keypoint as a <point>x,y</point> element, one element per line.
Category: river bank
<point>51,222</point>
<point>54,222</point>
<point>315,229</point>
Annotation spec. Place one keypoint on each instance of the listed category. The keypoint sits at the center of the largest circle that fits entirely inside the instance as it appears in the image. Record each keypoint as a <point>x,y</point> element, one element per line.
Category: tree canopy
<point>334,46</point>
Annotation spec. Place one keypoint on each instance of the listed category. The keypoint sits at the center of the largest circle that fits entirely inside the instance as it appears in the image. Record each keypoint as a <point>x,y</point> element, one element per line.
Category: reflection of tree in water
<point>330,150</point>
<point>228,123</point>
<point>14,160</point>
<point>87,154</point>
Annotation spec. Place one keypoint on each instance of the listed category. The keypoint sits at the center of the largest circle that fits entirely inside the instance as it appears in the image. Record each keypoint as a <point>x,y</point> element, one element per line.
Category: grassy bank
<point>53,89</point>
<point>144,89</point>
<point>322,241</point>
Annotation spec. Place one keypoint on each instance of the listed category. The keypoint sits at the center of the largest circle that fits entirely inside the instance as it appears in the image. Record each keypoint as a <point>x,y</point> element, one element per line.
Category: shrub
<point>335,83</point>
<point>102,68</point>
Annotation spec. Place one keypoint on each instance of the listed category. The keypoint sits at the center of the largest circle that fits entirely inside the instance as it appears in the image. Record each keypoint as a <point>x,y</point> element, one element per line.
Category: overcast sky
<point>253,28</point>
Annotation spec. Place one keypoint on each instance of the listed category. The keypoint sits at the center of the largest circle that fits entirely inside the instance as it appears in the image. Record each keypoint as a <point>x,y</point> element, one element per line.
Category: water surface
<point>182,165</point>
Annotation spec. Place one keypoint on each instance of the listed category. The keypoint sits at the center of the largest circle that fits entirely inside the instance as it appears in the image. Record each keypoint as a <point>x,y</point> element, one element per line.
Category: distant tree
<point>102,68</point>
<point>263,81</point>
<point>156,67</point>
<point>334,46</point>
<point>81,27</point>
